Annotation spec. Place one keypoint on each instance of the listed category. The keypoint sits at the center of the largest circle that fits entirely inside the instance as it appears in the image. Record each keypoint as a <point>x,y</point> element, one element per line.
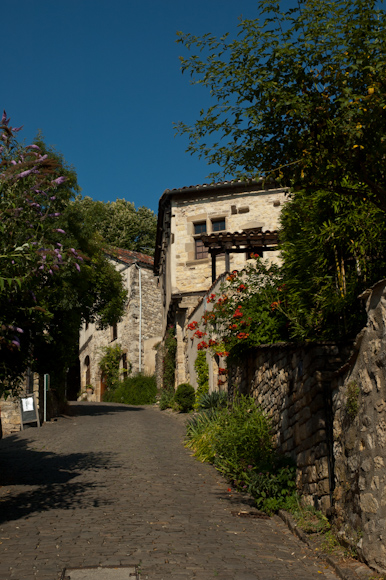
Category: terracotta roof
<point>130,257</point>
<point>214,185</point>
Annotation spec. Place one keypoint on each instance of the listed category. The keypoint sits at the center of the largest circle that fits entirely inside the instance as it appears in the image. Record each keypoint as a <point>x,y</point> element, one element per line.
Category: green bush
<point>167,399</point>
<point>237,440</point>
<point>244,436</point>
<point>216,399</point>
<point>185,397</point>
<point>137,390</point>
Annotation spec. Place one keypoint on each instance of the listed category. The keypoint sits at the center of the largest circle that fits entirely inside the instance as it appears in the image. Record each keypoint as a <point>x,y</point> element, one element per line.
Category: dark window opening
<point>200,228</point>
<point>114,332</point>
<point>218,225</point>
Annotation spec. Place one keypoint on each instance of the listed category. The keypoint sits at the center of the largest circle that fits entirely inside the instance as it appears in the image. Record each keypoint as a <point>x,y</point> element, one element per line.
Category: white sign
<point>28,404</point>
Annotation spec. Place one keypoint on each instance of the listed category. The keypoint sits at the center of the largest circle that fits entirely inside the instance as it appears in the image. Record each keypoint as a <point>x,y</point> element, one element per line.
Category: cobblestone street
<point>113,485</point>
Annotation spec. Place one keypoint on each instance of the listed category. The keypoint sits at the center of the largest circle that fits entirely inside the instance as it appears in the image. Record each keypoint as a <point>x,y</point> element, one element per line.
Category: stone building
<point>225,212</point>
<point>138,331</point>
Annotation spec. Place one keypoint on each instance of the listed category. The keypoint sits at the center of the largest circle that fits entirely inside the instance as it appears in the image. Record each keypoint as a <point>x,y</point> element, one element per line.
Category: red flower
<point>199,334</point>
<point>193,325</point>
<point>211,298</point>
<point>238,313</point>
<point>242,335</point>
<point>241,288</point>
<point>212,342</point>
<point>202,345</point>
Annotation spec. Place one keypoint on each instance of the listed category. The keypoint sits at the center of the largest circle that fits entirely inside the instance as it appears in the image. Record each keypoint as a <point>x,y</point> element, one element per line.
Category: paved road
<point>113,486</point>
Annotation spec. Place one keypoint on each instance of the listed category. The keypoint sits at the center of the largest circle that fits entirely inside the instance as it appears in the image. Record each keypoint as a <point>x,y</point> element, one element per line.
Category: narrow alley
<point>113,486</point>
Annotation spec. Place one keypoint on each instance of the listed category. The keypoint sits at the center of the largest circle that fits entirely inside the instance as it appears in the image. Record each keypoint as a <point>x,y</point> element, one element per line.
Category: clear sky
<point>102,81</point>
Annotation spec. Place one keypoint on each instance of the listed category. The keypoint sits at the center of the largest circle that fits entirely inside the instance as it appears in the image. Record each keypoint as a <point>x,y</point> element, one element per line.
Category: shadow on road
<point>52,473</point>
<point>86,408</point>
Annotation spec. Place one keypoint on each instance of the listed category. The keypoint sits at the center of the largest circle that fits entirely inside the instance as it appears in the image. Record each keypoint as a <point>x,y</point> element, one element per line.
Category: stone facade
<point>185,277</point>
<point>137,333</point>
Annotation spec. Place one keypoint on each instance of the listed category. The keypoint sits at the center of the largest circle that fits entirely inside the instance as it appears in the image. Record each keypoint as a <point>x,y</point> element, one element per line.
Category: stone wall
<point>359,406</point>
<point>10,417</point>
<point>141,322</point>
<point>239,209</point>
<point>292,384</point>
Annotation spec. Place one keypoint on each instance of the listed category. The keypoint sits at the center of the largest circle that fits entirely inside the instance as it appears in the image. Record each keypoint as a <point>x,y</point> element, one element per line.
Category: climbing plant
<point>169,361</point>
<point>109,365</point>
<point>202,371</point>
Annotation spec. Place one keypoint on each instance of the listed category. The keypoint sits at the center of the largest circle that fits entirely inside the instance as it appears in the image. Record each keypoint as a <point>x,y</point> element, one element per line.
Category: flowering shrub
<point>247,311</point>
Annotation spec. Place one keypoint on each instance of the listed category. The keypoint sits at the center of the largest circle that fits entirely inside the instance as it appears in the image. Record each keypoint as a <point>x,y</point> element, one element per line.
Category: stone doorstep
<point>101,573</point>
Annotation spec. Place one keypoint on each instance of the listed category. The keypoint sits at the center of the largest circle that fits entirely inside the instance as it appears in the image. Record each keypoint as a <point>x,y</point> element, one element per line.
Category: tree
<point>299,97</point>
<point>333,248</point>
<point>120,224</point>
<point>50,276</point>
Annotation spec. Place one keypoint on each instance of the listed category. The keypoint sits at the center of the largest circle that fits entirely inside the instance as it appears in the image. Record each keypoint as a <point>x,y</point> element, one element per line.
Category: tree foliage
<point>51,276</point>
<point>299,97</point>
<point>333,247</point>
<point>119,223</point>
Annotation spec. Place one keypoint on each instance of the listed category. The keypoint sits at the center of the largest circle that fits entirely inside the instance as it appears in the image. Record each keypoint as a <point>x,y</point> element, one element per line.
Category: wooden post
<point>213,254</point>
<point>227,261</point>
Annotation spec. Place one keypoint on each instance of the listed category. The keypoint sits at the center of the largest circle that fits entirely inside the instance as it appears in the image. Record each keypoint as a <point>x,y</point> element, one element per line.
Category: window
<point>218,225</point>
<point>200,251</point>
<point>114,332</point>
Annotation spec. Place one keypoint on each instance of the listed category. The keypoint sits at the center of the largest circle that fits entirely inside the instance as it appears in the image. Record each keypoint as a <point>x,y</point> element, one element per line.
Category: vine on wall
<point>169,361</point>
<point>202,371</point>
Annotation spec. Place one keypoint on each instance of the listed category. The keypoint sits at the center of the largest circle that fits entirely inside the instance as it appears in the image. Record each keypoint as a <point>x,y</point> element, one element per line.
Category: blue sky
<point>102,81</point>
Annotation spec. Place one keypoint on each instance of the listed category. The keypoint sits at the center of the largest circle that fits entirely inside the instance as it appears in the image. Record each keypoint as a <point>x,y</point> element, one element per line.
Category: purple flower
<point>33,147</point>
<point>16,342</point>
<point>13,162</point>
<point>12,261</point>
<point>19,330</point>
<point>60,257</point>
<point>53,197</point>
<point>80,258</point>
<point>59,244</point>
<point>60,180</point>
<point>4,120</point>
<point>60,231</point>
<point>50,272</point>
<point>26,173</point>
<point>77,267</point>
<point>16,129</point>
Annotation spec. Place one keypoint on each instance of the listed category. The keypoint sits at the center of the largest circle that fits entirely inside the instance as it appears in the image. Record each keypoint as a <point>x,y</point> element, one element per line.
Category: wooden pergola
<point>248,241</point>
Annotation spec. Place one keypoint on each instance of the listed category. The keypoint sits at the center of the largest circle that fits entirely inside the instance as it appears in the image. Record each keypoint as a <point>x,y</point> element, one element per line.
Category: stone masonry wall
<point>292,384</point>
<point>359,405</point>
<point>240,211</point>
<point>149,312</point>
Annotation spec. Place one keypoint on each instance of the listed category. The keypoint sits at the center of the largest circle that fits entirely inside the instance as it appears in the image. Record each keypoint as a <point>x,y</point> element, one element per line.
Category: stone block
<point>323,487</point>
<point>368,503</point>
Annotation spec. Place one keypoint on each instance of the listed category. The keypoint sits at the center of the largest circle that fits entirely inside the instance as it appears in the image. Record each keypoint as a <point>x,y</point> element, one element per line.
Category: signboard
<point>28,410</point>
